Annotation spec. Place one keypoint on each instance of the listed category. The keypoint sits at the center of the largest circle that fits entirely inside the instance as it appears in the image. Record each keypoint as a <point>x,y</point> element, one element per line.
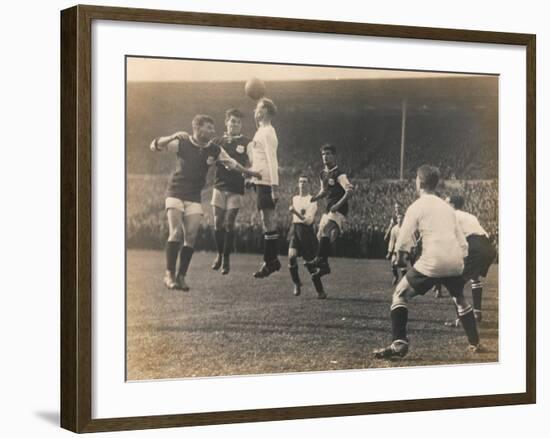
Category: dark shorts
<point>422,283</point>
<point>481,255</point>
<point>264,199</point>
<point>302,238</point>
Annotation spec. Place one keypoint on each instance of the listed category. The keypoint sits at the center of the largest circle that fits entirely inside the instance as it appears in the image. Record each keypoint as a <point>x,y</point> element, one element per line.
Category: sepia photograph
<point>285,218</point>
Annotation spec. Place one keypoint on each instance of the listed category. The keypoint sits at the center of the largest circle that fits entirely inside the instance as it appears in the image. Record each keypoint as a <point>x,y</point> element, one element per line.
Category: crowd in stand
<point>371,209</point>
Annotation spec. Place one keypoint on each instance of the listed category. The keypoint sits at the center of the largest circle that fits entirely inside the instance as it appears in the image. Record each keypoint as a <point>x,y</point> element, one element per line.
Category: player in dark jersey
<point>227,195</point>
<point>195,154</point>
<point>336,187</point>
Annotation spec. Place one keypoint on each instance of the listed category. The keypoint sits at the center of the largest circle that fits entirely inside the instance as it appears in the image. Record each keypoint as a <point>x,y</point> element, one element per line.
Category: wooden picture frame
<point>76,217</point>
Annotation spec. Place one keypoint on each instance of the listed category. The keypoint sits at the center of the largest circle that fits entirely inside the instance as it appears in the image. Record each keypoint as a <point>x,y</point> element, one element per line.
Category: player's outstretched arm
<point>168,143</point>
<point>232,164</point>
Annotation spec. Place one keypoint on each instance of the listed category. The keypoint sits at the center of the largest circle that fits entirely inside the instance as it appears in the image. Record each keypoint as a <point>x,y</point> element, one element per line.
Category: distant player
<point>336,187</point>
<point>194,154</point>
<point>392,254</point>
<point>262,151</point>
<point>443,250</point>
<point>227,195</point>
<point>302,239</point>
<point>481,253</point>
<point>397,210</point>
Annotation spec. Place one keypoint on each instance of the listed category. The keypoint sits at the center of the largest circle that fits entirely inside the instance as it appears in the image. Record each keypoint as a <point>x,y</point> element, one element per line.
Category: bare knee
<point>292,257</point>
<point>175,234</point>
<point>402,293</point>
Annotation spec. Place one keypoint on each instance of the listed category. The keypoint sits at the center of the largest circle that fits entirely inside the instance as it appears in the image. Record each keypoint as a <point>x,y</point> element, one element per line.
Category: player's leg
<point>399,315</point>
<point>329,234</point>
<point>218,209</point>
<point>271,236</point>
<point>191,223</point>
<point>455,286</point>
<point>310,246</point>
<point>394,269</point>
<point>175,237</point>
<point>229,238</point>
<point>293,268</point>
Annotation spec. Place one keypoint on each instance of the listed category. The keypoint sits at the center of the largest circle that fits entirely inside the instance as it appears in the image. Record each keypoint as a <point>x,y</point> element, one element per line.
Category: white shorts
<point>337,218</point>
<point>186,207</point>
<point>226,200</point>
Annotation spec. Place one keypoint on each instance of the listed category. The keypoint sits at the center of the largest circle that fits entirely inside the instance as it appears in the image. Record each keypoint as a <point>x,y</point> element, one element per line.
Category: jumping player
<point>302,239</point>
<point>392,255</point>
<point>443,250</point>
<point>335,186</point>
<point>227,195</point>
<point>262,152</point>
<point>195,154</point>
<point>481,253</point>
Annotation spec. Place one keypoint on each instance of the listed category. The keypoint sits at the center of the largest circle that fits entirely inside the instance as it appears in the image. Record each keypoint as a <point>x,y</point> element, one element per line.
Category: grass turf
<point>238,325</point>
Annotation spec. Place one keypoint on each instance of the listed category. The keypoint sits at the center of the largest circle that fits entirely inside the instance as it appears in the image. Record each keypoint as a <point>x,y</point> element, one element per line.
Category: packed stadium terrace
<point>371,209</point>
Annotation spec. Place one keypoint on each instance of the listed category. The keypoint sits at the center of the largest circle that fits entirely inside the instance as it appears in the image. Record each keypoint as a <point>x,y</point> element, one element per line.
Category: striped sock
<point>469,323</point>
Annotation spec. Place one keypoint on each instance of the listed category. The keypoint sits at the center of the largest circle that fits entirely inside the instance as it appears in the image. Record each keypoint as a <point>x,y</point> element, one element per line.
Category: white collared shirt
<point>443,243</point>
<point>304,206</point>
<point>263,156</point>
<point>469,224</point>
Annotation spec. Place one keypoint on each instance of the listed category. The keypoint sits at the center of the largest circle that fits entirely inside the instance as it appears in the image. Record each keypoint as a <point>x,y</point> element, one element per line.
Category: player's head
<point>265,110</point>
<point>203,128</point>
<point>233,121</point>
<point>328,155</point>
<point>427,178</point>
<point>456,201</point>
<point>303,183</point>
<point>399,218</point>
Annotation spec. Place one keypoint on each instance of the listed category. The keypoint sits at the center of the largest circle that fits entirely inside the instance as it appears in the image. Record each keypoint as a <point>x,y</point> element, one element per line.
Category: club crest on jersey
<point>240,149</point>
<point>331,181</point>
<point>210,160</point>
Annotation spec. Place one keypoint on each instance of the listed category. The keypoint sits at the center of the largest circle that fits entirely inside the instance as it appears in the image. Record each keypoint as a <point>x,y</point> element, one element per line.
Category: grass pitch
<point>238,325</point>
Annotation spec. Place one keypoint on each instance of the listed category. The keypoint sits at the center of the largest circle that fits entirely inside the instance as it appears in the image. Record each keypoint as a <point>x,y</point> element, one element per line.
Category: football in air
<point>254,88</point>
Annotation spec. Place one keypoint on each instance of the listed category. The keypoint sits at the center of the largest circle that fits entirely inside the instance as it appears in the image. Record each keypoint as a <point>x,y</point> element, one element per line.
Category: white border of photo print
<point>114,397</point>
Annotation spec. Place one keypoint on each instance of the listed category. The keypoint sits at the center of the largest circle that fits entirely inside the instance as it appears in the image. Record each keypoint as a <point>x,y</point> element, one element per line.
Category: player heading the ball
<point>263,155</point>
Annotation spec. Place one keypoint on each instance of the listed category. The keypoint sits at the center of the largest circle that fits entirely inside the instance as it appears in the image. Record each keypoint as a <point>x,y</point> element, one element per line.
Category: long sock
<point>172,249</point>
<point>270,245</point>
<point>316,280</point>
<point>470,326</point>
<point>186,253</point>
<point>228,242</point>
<point>477,290</point>
<point>293,269</point>
<point>394,271</point>
<point>399,318</point>
<point>219,236</point>
<point>324,248</point>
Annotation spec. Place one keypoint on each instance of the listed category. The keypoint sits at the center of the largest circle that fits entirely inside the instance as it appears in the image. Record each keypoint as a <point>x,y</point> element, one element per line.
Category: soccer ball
<point>254,88</point>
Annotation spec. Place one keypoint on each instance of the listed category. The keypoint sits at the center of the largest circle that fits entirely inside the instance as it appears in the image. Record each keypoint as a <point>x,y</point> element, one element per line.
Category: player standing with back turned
<point>443,250</point>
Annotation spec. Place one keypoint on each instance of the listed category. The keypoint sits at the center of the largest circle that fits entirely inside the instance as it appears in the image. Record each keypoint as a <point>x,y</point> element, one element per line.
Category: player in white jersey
<point>392,254</point>
<point>443,250</point>
<point>302,239</point>
<point>262,151</point>
<point>481,253</point>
